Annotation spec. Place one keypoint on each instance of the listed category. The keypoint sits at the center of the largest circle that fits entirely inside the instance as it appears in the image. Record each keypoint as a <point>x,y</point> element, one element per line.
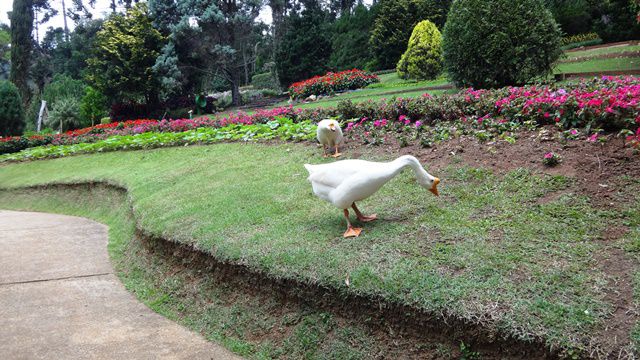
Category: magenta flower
<point>418,123</point>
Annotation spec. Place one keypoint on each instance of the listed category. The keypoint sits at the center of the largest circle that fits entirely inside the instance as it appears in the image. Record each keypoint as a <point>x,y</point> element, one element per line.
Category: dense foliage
<point>490,44</point>
<point>350,42</point>
<point>125,51</point>
<point>265,81</point>
<point>93,106</point>
<point>423,58</point>
<point>21,45</point>
<point>62,87</point>
<point>11,113</point>
<point>305,48</point>
<point>617,20</point>
<point>394,23</point>
<point>331,83</point>
<point>65,115</point>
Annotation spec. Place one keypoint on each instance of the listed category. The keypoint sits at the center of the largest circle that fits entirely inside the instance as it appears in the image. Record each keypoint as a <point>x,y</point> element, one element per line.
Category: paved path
<point>59,298</point>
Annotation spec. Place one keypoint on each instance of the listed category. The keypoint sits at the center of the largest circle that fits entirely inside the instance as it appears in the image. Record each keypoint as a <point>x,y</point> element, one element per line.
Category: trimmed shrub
<point>105,120</point>
<point>265,81</point>
<point>11,111</point>
<point>65,115</point>
<point>423,58</point>
<point>394,21</point>
<point>489,44</point>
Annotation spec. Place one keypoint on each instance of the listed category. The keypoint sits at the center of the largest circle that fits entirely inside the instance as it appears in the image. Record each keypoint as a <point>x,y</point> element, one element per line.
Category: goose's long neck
<point>408,161</point>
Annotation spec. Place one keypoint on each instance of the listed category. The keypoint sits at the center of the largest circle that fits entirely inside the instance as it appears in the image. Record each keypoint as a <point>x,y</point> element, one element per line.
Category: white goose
<point>342,183</point>
<point>329,135</point>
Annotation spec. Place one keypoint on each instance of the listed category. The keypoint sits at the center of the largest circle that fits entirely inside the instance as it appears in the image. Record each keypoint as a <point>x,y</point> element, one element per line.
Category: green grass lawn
<point>253,326</point>
<point>602,51</point>
<point>488,250</point>
<point>390,85</point>
<point>596,65</point>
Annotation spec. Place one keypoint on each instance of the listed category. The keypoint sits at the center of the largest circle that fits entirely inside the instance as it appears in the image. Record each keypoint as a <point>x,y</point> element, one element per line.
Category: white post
<point>43,109</point>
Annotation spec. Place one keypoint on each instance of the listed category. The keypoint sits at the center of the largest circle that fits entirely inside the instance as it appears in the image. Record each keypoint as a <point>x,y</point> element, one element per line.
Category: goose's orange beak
<point>434,188</point>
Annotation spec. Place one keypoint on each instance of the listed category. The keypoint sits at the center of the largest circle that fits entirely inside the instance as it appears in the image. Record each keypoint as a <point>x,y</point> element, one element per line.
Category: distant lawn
<point>390,85</point>
<point>333,101</point>
<point>492,249</point>
<point>602,51</point>
<point>596,65</point>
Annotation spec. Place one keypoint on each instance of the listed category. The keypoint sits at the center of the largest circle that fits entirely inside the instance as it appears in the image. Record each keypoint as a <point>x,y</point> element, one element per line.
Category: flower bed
<point>609,103</point>
<point>280,127</point>
<point>331,83</point>
<point>132,127</point>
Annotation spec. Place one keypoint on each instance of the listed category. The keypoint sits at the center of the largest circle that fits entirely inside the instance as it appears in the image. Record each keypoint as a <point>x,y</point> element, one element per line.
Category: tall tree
<point>125,50</point>
<point>350,42</point>
<point>21,45</point>
<point>306,46</point>
<point>5,51</point>
<point>215,33</point>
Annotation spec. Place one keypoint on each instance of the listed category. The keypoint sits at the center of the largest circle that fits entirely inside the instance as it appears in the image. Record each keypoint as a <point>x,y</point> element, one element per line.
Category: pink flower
<point>418,123</point>
<point>573,132</point>
<point>548,155</point>
<point>593,138</point>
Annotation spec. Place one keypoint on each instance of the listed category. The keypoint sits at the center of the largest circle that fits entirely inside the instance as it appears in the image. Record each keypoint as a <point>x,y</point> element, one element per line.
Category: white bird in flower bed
<point>342,183</point>
<point>329,135</point>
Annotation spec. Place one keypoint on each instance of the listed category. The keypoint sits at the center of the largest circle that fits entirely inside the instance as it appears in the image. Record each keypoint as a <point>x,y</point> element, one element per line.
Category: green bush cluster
<point>65,115</point>
<point>489,44</point>
<point>423,58</point>
<point>11,111</point>
<point>265,81</point>
<point>93,106</point>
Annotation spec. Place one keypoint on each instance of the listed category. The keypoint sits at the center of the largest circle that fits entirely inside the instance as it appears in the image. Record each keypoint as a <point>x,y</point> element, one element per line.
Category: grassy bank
<point>494,250</point>
<point>248,323</point>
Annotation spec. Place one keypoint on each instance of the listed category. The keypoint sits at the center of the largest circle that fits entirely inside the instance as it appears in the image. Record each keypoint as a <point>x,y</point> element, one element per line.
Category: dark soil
<point>602,172</point>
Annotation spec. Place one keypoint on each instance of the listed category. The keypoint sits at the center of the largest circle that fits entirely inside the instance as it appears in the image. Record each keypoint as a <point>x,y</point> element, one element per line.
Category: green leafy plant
<point>11,111</point>
<point>201,103</point>
<point>93,105</point>
<point>489,44</point>
<point>423,58</point>
<point>65,115</point>
<point>551,159</point>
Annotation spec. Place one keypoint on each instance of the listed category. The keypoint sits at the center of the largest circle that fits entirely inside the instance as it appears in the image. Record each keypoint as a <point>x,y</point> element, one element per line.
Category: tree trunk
<point>235,88</point>
<point>246,66</point>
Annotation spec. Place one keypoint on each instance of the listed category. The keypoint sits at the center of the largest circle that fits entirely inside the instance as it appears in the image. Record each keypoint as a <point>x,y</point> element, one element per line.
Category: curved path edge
<point>60,298</point>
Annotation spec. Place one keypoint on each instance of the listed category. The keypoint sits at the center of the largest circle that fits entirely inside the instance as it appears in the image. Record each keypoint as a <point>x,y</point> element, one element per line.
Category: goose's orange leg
<point>351,231</point>
<point>361,217</point>
<point>337,154</point>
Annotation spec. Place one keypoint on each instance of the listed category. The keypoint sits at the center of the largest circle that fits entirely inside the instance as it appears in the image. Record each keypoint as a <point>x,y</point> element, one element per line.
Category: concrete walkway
<point>60,299</point>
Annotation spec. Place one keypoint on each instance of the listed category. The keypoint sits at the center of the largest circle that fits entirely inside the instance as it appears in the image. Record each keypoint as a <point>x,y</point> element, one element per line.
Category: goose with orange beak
<point>329,135</point>
<point>343,183</point>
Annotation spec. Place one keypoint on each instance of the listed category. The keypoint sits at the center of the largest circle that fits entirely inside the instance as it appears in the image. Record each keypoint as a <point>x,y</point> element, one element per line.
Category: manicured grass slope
<point>491,249</point>
<point>254,326</point>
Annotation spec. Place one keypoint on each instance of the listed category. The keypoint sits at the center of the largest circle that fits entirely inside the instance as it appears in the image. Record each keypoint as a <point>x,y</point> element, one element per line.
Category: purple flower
<point>418,123</point>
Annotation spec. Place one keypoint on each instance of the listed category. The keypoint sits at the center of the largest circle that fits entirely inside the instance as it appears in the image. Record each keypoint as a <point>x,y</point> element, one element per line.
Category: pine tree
<point>21,45</point>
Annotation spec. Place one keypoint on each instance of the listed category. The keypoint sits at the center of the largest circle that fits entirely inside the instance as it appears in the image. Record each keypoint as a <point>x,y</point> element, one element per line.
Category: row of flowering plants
<point>279,127</point>
<point>607,103</point>
<point>132,127</point>
<point>332,82</point>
